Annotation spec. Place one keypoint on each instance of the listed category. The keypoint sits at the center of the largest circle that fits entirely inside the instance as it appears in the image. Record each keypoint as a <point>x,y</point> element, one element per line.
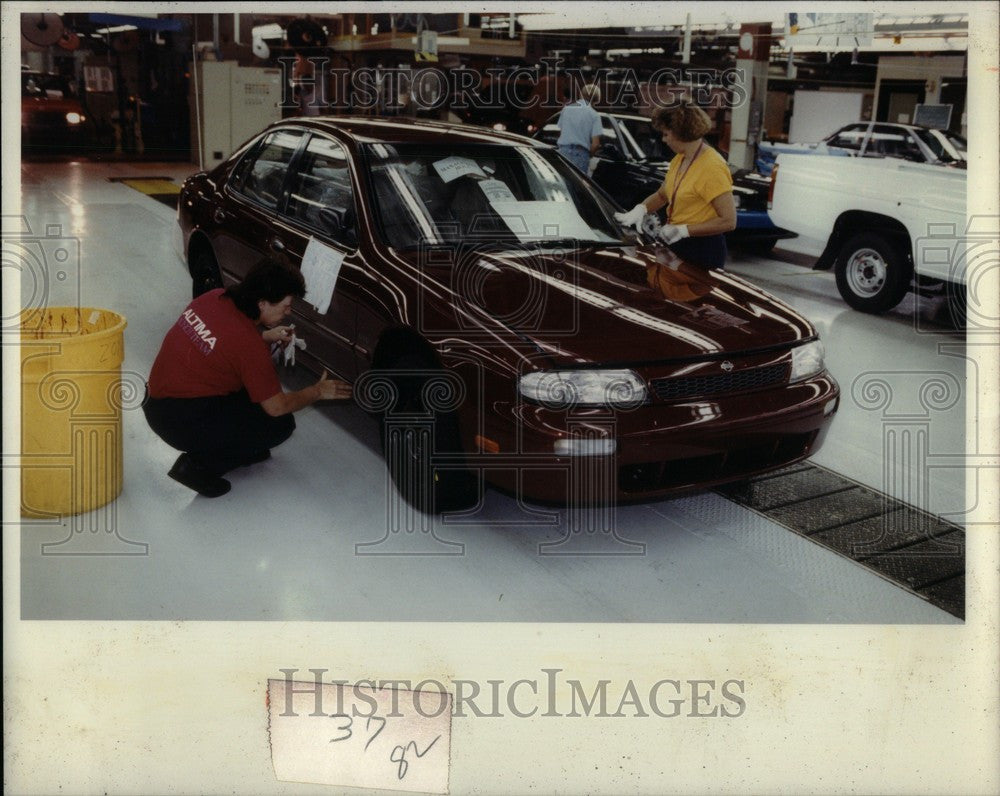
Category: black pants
<point>708,252</point>
<point>219,433</point>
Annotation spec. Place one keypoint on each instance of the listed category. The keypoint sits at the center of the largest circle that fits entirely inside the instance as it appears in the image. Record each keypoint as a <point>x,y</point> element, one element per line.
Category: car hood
<point>618,305</point>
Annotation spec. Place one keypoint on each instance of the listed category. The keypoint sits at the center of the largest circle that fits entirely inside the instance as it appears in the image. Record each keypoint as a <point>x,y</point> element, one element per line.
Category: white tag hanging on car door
<point>320,268</point>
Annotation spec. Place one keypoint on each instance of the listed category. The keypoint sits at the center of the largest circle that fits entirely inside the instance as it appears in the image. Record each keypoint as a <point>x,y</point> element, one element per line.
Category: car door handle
<point>277,245</point>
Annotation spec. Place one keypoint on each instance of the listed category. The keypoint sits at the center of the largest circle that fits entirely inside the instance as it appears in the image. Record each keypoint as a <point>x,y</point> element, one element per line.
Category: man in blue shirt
<point>580,128</point>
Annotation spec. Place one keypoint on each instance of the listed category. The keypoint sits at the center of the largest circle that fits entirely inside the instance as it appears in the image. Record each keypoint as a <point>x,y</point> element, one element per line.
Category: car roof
<point>632,116</point>
<point>900,125</point>
<point>366,129</point>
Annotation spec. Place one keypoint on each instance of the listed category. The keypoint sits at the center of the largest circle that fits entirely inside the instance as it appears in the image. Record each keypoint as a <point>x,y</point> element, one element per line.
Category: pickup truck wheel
<point>421,444</point>
<point>204,270</point>
<point>872,273</point>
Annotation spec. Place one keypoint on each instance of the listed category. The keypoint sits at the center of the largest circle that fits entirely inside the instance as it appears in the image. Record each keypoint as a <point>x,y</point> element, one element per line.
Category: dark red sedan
<point>488,308</point>
<point>52,118</point>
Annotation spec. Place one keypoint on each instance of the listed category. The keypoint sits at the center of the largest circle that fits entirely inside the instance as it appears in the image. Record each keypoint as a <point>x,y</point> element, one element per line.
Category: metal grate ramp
<point>916,550</point>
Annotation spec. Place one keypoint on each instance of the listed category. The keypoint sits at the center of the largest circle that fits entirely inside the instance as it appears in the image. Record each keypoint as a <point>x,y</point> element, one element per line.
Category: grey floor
<point>305,535</point>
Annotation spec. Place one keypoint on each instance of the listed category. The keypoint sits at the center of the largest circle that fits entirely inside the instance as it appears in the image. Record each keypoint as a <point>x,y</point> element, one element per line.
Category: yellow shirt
<point>707,178</point>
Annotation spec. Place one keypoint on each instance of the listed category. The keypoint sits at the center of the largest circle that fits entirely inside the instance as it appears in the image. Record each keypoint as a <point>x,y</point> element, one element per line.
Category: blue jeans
<point>578,155</point>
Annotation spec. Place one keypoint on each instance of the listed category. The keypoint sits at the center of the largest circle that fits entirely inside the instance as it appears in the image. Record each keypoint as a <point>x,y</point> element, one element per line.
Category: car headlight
<point>74,118</point>
<point>807,360</point>
<point>567,388</point>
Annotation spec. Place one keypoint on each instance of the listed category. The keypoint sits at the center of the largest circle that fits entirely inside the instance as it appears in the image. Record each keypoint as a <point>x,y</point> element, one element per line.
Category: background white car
<point>877,139</point>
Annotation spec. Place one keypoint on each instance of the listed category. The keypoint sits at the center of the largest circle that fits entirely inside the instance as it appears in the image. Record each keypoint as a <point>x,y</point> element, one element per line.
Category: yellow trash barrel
<point>71,409</point>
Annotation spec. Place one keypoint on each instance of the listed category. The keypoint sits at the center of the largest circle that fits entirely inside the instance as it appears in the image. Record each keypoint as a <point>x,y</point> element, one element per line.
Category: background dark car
<point>52,117</point>
<point>632,161</point>
<point>503,326</point>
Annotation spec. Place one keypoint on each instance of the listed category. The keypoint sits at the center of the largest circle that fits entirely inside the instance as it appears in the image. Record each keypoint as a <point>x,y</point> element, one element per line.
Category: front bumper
<point>661,448</point>
<point>757,224</point>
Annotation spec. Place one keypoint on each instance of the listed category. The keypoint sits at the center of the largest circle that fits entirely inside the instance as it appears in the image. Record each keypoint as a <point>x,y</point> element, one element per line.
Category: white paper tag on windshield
<point>360,736</point>
<point>496,191</point>
<point>451,168</point>
<point>320,268</point>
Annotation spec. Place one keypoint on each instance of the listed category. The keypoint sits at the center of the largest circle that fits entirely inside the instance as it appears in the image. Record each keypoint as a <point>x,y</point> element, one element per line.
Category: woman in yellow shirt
<point>697,190</point>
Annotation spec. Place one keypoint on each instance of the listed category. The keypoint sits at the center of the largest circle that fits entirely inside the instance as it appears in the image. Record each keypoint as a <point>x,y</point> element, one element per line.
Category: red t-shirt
<point>213,349</point>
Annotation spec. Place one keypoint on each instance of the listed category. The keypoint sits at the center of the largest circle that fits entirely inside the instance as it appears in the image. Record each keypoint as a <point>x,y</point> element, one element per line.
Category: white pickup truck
<point>884,225</point>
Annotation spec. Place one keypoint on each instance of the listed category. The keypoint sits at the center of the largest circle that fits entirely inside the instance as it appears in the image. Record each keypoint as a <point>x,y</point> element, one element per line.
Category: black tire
<point>204,270</point>
<point>873,273</point>
<point>422,445</point>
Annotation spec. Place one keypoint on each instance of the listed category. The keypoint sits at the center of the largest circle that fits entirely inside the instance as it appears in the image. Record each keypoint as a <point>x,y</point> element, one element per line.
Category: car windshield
<point>947,147</point>
<point>48,86</point>
<point>484,193</point>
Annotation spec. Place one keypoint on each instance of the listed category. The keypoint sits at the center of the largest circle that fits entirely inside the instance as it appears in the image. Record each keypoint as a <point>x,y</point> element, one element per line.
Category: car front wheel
<point>421,441</point>
<point>872,273</point>
<point>204,270</point>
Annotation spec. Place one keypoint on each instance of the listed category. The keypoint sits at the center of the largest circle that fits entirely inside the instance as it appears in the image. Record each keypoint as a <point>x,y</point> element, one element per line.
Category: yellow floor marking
<point>150,187</point>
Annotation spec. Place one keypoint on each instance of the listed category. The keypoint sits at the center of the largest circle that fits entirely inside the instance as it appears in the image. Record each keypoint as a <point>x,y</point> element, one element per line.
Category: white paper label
<point>497,191</point>
<point>320,268</point>
<point>360,736</point>
<point>453,167</point>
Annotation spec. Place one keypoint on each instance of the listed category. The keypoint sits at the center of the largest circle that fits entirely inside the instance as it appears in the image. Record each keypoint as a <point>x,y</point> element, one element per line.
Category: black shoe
<point>194,476</point>
<point>256,458</point>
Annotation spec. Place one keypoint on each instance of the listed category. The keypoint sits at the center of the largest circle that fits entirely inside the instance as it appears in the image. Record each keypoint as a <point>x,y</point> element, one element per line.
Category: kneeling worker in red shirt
<point>213,390</point>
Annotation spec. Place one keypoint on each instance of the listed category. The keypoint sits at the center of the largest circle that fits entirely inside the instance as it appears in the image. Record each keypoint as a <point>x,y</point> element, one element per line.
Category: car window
<point>320,194</point>
<point>943,146</point>
<point>894,142</point>
<point>647,139</point>
<point>486,193</point>
<point>958,142</point>
<point>849,137</point>
<point>48,86</point>
<point>261,174</point>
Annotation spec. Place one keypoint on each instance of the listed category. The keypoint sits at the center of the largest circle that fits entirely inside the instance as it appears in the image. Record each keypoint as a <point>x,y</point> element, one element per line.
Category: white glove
<point>286,353</point>
<point>671,233</point>
<point>297,342</point>
<point>633,218</point>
